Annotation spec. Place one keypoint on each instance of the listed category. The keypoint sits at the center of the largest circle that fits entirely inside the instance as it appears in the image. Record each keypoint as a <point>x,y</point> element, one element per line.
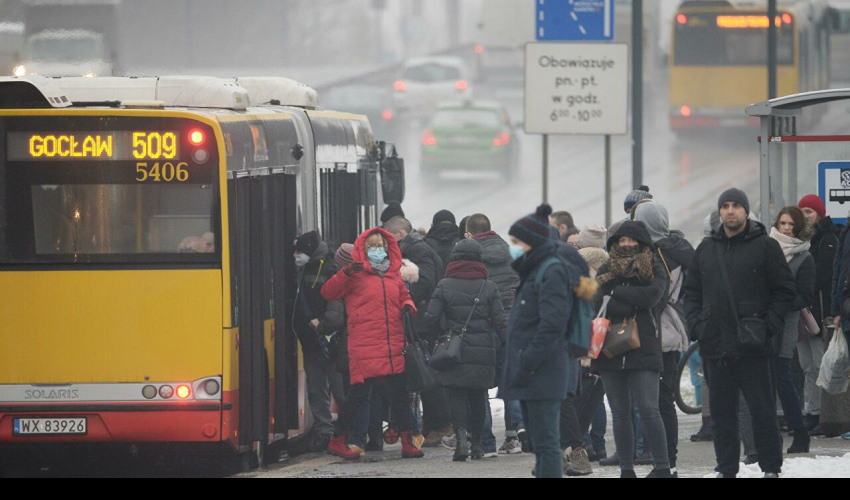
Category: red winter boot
<point>338,447</point>
<point>408,448</point>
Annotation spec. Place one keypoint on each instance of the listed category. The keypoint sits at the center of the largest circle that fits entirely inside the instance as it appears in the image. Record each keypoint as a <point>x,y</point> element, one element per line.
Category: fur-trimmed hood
<point>409,271</point>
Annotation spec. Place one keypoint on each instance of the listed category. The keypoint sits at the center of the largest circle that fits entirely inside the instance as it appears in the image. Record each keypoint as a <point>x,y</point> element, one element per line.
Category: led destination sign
<point>92,146</point>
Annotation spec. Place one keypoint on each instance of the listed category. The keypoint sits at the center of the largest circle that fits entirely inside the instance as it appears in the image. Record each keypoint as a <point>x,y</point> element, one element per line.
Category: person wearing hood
<point>376,299</point>
<point>444,235</point>
<point>496,256</point>
<point>537,355</point>
<point>635,284</point>
<point>811,350</point>
<point>677,255</point>
<point>467,303</point>
<point>316,266</point>
<point>793,233</point>
<point>435,404</point>
<point>737,295</point>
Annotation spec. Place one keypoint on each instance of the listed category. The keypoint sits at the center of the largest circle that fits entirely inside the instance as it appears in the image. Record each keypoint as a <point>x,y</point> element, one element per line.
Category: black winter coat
<point>632,299</point>
<point>415,249</point>
<point>449,308</point>
<point>443,238</point>
<point>497,258</point>
<point>824,249</point>
<point>336,321</point>
<point>309,303</point>
<point>761,283</point>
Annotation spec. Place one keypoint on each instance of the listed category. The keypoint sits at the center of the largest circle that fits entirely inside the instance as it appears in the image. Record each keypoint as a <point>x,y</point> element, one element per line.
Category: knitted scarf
<point>791,247</point>
<point>629,262</point>
<point>467,270</point>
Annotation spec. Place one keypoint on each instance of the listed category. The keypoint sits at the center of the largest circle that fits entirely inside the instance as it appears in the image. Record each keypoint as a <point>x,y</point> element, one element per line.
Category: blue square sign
<point>575,20</point>
<point>834,189</point>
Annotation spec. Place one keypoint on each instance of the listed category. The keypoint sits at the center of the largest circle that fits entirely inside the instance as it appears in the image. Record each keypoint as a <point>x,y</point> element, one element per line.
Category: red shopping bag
<point>601,327</point>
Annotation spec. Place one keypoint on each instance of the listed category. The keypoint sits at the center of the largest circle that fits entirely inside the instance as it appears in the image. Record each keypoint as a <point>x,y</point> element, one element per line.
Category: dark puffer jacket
<point>824,248</point>
<point>538,364</point>
<point>451,306</point>
<point>415,249</point>
<point>310,304</point>
<point>497,257</point>
<point>631,298</point>
<point>442,238</point>
<point>761,282</point>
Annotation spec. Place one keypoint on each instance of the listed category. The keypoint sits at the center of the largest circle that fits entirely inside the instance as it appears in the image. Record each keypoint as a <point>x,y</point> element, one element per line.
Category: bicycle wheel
<point>685,392</point>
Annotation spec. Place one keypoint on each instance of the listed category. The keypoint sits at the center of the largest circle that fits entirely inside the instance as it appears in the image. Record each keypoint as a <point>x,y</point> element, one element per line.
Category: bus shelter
<point>793,164</point>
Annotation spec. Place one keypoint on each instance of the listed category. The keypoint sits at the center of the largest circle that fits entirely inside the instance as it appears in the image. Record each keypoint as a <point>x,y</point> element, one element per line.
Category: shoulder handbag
<point>420,376</point>
<point>447,353</point>
<point>752,331</point>
<point>622,338</point>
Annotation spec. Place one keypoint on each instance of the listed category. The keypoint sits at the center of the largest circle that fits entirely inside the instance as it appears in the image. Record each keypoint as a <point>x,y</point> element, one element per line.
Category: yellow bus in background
<point>147,232</point>
<point>718,63</point>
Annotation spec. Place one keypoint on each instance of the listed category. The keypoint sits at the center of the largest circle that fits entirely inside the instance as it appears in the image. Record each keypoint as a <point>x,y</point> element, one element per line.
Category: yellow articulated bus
<point>719,59</point>
<point>147,230</point>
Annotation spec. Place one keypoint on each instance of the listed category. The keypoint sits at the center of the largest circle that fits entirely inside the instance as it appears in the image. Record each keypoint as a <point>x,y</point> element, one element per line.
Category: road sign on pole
<point>834,189</point>
<point>575,20</point>
<point>576,89</point>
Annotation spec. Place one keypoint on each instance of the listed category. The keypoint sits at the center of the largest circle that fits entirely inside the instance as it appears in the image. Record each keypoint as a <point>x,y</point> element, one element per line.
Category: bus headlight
<point>20,70</point>
<point>166,392</point>
<point>212,387</point>
<point>149,392</point>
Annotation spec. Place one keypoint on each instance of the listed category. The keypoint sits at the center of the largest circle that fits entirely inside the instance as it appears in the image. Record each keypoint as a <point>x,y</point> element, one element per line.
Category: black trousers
<point>468,411</point>
<point>667,404</point>
<point>359,394</point>
<point>571,431</point>
<point>754,378</point>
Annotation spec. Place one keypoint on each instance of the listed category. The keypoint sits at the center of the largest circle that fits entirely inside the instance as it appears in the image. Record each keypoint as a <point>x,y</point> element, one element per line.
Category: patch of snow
<point>803,468</point>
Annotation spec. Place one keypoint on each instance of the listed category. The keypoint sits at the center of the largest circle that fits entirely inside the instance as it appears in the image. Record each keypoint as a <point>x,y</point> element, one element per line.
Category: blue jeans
<point>514,421</point>
<point>543,425</point>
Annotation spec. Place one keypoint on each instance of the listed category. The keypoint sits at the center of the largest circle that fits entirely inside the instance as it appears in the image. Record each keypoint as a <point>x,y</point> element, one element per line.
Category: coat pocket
<point>517,377</point>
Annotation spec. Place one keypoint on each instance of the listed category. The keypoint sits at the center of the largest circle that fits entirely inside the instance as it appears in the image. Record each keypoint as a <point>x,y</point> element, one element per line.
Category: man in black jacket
<point>444,235</point>
<point>316,266</point>
<point>757,278</point>
<point>435,404</point>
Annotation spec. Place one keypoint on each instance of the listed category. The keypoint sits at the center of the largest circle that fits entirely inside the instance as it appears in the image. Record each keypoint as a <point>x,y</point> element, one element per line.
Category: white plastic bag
<point>835,367</point>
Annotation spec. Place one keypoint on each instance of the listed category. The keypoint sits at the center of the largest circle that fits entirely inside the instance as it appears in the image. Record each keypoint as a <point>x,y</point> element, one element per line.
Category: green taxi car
<point>470,136</point>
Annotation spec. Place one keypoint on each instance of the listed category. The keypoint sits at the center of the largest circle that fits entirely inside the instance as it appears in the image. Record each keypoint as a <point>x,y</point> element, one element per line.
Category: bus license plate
<point>49,426</point>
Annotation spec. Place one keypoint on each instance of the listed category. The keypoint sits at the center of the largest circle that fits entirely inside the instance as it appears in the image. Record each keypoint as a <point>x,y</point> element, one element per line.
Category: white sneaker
<point>449,442</point>
<point>492,454</point>
<point>511,447</point>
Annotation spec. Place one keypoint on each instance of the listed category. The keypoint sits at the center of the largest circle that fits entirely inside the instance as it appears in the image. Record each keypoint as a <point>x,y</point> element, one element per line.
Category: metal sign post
<point>637,92</point>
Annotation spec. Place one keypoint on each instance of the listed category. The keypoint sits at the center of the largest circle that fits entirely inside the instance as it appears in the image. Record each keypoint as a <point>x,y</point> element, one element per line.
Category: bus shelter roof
<point>793,105</point>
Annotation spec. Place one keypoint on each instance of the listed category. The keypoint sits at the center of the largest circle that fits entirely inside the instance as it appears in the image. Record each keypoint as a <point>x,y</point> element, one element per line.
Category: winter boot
<point>802,442</point>
<point>706,433</point>
<point>612,461</point>
<point>408,446</point>
<point>435,438</point>
<point>477,452</point>
<point>628,474</point>
<point>751,460</point>
<point>660,474</point>
<point>579,464</point>
<point>461,446</point>
<point>339,447</point>
<point>812,422</point>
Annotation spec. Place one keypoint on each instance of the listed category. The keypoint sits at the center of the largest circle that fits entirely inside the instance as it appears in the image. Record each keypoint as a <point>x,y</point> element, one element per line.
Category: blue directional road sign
<point>575,20</point>
<point>834,189</point>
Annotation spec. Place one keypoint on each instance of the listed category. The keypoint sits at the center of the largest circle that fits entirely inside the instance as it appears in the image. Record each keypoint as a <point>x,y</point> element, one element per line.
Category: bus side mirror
<point>392,176</point>
<point>297,152</point>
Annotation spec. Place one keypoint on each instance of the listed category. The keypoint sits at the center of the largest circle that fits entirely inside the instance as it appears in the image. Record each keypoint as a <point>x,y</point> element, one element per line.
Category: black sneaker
<point>660,474</point>
<point>612,461</point>
<point>812,422</point>
<point>705,434</point>
<point>524,441</point>
<point>751,460</point>
<point>645,459</point>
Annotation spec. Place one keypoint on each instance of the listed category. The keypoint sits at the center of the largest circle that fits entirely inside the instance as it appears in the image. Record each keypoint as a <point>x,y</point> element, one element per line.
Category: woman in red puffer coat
<point>375,299</point>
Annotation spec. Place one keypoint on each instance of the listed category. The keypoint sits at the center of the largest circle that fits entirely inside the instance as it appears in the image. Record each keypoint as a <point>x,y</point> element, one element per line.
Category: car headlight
<point>20,70</point>
<point>90,74</point>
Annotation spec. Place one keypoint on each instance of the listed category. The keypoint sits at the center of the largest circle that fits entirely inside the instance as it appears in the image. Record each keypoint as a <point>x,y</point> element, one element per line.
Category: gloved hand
<point>409,310</point>
<point>353,269</point>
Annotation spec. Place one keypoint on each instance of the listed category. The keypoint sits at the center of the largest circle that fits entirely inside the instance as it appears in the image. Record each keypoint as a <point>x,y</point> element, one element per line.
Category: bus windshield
<point>96,210</point>
<point>727,40</point>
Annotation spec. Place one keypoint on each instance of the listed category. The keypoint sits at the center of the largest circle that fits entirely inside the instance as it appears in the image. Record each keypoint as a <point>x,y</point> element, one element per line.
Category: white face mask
<point>301,260</point>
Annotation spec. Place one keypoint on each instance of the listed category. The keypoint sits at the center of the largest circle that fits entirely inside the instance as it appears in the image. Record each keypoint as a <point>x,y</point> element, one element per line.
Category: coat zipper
<point>387,314</point>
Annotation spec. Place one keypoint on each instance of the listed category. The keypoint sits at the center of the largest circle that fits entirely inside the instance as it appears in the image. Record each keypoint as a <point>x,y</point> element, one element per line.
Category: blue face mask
<point>517,252</point>
<point>377,255</point>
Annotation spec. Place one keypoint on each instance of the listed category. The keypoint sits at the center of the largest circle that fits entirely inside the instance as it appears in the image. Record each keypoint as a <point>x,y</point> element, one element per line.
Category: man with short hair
<point>497,258</point>
<point>564,223</point>
<point>436,417</point>
<point>736,297</point>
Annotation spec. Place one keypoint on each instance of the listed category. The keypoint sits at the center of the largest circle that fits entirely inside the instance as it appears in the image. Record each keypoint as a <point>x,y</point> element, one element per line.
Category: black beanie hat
<point>444,216</point>
<point>393,210</point>
<point>468,250</point>
<point>638,195</point>
<point>308,243</point>
<point>736,196</point>
<point>533,230</point>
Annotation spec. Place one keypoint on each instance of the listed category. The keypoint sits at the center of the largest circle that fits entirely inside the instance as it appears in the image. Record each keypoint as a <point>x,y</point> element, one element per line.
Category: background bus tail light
<point>503,139</point>
<point>682,19</point>
<point>479,49</point>
<point>686,111</point>
<point>428,138</point>
<point>462,85</point>
<point>400,86</point>
<point>183,392</point>
<point>387,114</point>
